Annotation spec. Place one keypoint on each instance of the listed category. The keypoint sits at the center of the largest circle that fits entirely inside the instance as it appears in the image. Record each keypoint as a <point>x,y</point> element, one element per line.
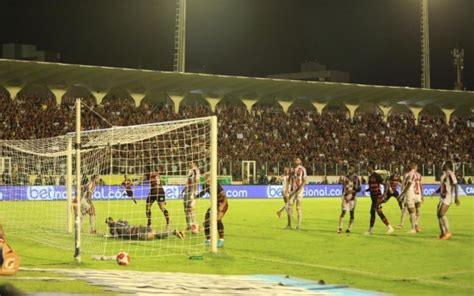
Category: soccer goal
<point>137,189</point>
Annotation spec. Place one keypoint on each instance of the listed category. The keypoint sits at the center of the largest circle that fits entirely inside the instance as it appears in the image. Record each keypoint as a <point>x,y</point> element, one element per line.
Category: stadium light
<point>179,59</point>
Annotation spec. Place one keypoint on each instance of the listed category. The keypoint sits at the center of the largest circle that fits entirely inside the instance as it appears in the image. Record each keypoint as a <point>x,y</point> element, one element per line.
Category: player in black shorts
<point>127,185</point>
<point>375,181</point>
<point>391,186</point>
<point>222,207</point>
<point>157,193</point>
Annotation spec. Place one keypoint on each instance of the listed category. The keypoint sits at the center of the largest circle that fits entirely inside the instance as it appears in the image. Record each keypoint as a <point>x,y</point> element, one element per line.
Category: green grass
<point>256,243</point>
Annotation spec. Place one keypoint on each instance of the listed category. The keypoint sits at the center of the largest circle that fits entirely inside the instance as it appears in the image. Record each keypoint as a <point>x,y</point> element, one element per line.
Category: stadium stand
<point>268,131</point>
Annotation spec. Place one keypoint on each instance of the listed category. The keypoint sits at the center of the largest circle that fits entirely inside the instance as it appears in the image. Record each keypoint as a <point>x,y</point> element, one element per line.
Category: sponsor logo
<point>44,193</point>
<point>274,191</point>
<point>469,190</point>
<point>236,193</point>
<point>323,191</point>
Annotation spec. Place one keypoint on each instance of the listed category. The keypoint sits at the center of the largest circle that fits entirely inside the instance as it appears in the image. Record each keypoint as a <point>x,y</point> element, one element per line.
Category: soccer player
<point>401,200</point>
<point>449,191</point>
<point>351,185</point>
<point>222,206</point>
<point>299,180</point>
<point>127,185</point>
<point>287,187</point>
<point>391,185</point>
<point>189,192</point>
<point>157,193</point>
<point>411,195</point>
<point>87,207</point>
<point>418,200</point>
<point>375,180</point>
<point>121,229</point>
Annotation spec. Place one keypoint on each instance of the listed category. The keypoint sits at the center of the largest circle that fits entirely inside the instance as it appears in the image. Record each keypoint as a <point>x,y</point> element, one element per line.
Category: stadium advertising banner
<point>41,193</point>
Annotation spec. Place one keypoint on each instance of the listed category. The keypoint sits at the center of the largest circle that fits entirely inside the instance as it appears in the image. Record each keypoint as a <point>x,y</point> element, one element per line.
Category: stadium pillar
<point>352,108</point>
<point>137,98</point>
<point>58,93</point>
<point>416,112</point>
<point>177,101</point>
<point>319,107</point>
<point>213,102</point>
<point>249,103</point>
<point>13,90</point>
<point>285,105</point>
<point>385,110</point>
<point>99,96</point>
<point>448,113</point>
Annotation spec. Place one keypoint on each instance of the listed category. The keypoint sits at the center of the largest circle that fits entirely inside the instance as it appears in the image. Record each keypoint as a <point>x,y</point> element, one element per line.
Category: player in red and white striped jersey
<point>286,188</point>
<point>87,206</point>
<point>189,193</point>
<point>412,195</point>
<point>449,192</point>
<point>419,199</point>
<point>351,185</point>
<point>299,180</point>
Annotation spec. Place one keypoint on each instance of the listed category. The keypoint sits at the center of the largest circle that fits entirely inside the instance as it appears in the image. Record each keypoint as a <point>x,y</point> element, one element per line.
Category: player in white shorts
<point>410,195</point>
<point>351,185</point>
<point>449,193</point>
<point>418,200</point>
<point>286,188</point>
<point>299,180</point>
<point>189,192</point>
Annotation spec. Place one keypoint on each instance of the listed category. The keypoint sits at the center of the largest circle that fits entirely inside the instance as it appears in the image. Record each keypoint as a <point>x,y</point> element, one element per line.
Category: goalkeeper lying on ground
<point>121,229</point>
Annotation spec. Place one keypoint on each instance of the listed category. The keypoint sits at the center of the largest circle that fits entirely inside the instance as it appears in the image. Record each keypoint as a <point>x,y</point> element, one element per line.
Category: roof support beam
<point>137,98</point>
<point>58,94</point>
<point>352,108</point>
<point>385,110</point>
<point>285,105</point>
<point>13,90</point>
<point>448,113</point>
<point>213,102</point>
<point>177,101</point>
<point>99,96</point>
<point>416,112</point>
<point>319,107</point>
<point>249,103</point>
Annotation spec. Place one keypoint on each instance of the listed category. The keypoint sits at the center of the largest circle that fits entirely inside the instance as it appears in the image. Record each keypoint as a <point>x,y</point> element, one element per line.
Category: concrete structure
<point>99,81</point>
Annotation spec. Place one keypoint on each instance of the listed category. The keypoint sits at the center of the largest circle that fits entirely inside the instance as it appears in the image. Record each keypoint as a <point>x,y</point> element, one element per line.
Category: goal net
<point>141,189</point>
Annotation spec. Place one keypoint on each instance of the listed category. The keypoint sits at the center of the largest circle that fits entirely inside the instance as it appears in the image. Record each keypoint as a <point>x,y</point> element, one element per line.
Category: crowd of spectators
<point>266,134</point>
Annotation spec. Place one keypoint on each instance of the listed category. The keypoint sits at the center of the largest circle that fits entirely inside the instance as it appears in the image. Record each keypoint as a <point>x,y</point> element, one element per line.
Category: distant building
<point>313,71</point>
<point>15,51</point>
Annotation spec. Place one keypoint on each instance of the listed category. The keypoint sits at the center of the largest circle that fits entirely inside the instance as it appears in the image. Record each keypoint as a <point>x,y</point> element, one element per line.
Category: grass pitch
<point>256,243</point>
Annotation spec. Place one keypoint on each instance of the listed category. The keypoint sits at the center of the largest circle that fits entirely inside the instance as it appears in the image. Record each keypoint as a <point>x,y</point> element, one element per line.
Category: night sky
<point>376,41</point>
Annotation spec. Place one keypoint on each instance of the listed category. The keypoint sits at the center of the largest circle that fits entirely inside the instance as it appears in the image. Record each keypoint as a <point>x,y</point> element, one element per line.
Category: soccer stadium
<point>123,180</point>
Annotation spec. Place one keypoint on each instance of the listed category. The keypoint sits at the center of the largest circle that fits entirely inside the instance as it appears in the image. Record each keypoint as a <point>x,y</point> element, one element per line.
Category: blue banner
<point>173,192</point>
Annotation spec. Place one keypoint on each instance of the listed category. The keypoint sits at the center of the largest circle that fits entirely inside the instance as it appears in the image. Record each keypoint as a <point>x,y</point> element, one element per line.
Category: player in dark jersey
<point>375,181</point>
<point>127,185</point>
<point>222,207</point>
<point>121,229</point>
<point>157,193</point>
<point>391,186</point>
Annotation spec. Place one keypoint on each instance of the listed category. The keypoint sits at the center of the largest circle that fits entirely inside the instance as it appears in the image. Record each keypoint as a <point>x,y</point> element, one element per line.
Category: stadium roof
<point>55,75</point>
